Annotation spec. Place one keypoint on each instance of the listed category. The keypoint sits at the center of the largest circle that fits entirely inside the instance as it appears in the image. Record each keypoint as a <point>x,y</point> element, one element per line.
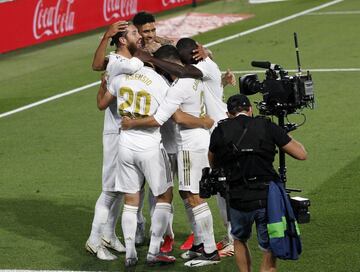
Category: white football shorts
<point>134,166</point>
<point>190,165</point>
<point>110,157</point>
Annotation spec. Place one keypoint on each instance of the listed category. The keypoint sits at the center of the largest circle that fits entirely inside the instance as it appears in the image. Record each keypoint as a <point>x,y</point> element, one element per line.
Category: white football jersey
<point>188,95</point>
<point>214,92</point>
<point>117,65</point>
<point>139,95</point>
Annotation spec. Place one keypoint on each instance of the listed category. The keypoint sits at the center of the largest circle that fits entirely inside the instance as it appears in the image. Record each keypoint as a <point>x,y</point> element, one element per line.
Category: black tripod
<point>282,165</point>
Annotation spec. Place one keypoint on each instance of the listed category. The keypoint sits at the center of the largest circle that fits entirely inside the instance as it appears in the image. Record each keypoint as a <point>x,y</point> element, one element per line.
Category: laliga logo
<point>119,8</point>
<point>170,2</point>
<point>51,20</point>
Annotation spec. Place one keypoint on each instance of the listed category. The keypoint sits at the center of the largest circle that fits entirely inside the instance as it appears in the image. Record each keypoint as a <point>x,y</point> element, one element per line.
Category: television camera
<point>282,95</point>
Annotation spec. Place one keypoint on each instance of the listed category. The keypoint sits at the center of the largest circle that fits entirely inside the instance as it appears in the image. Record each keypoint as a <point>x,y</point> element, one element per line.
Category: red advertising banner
<point>28,22</point>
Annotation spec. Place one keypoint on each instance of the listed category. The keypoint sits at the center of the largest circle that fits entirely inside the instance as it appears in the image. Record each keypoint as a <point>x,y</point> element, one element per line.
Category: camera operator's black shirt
<point>260,132</point>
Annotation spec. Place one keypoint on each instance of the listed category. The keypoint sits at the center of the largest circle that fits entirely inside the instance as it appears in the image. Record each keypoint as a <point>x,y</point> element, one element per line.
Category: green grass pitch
<point>51,155</point>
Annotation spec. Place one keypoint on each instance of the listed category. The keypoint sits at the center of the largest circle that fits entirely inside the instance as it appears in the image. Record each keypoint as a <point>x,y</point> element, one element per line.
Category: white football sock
<point>190,215</point>
<point>223,213</point>
<point>204,222</point>
<point>169,229</point>
<point>128,223</point>
<point>221,202</point>
<point>102,207</point>
<point>114,213</point>
<point>159,222</point>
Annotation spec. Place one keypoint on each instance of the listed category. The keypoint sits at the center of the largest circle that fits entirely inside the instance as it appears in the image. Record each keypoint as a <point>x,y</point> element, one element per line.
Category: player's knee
<point>166,197</point>
<point>194,200</point>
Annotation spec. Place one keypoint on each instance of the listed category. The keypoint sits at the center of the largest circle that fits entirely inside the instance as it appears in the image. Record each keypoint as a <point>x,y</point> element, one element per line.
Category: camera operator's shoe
<point>140,234</point>
<point>167,246</point>
<point>188,243</point>
<point>113,243</point>
<point>100,252</point>
<point>160,258</point>
<point>130,262</point>
<point>204,259</point>
<point>193,252</point>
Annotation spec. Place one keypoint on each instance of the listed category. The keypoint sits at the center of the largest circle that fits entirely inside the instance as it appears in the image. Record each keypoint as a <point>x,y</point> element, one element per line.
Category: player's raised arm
<point>201,53</point>
<point>187,71</point>
<point>163,40</point>
<point>104,97</point>
<point>99,61</point>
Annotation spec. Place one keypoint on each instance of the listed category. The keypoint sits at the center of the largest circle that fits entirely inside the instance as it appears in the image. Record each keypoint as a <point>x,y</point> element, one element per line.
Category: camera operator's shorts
<point>241,225</point>
<point>190,165</point>
<point>134,166</point>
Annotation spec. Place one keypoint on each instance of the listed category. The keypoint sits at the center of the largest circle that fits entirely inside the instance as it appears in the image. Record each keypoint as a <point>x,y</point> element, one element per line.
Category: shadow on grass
<point>57,233</point>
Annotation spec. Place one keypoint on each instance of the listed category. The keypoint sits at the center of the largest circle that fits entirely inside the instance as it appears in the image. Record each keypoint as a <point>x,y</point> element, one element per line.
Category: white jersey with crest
<point>139,95</point>
<point>117,65</point>
<point>214,92</point>
<point>188,95</point>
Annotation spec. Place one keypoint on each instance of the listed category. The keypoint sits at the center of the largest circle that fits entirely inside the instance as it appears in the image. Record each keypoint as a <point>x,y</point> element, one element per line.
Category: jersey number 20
<point>142,100</point>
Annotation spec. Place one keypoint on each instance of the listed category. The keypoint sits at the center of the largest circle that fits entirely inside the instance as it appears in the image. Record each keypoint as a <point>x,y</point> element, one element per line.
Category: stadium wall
<point>27,22</point>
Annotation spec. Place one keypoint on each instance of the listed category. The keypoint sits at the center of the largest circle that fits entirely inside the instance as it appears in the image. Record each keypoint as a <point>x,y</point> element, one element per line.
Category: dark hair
<point>238,109</point>
<point>185,46</point>
<point>142,18</point>
<point>168,52</point>
<point>238,103</point>
<point>116,37</point>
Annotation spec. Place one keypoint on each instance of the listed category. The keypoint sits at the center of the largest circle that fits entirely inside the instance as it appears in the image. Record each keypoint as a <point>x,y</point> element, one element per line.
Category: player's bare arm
<point>129,123</point>
<point>104,97</point>
<point>190,121</point>
<point>156,43</point>
<point>187,71</point>
<point>163,40</point>
<point>99,61</point>
<point>200,53</point>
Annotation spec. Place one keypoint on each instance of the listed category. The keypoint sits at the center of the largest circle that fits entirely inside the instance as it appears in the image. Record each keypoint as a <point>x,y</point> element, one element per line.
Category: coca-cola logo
<point>171,2</point>
<point>53,20</point>
<point>119,9</point>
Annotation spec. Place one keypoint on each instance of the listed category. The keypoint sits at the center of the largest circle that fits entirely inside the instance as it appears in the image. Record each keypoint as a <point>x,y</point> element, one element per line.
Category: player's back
<point>117,64</point>
<point>192,92</point>
<point>213,90</point>
<point>138,96</point>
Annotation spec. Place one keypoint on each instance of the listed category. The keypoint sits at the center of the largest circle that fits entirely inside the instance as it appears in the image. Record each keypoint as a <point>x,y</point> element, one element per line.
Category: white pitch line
<point>206,45</point>
<point>273,23</point>
<point>321,70</point>
<point>50,99</point>
<point>98,82</point>
<point>335,12</point>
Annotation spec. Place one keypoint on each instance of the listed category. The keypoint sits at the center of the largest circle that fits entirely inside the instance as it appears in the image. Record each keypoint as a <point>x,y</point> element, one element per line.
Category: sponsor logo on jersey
<point>53,20</point>
<point>119,9</point>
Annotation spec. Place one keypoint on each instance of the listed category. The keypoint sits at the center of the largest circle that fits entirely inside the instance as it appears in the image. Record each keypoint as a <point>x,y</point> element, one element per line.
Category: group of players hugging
<point>161,100</point>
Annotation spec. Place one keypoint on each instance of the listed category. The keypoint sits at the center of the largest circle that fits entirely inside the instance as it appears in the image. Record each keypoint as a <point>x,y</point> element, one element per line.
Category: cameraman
<point>245,147</point>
